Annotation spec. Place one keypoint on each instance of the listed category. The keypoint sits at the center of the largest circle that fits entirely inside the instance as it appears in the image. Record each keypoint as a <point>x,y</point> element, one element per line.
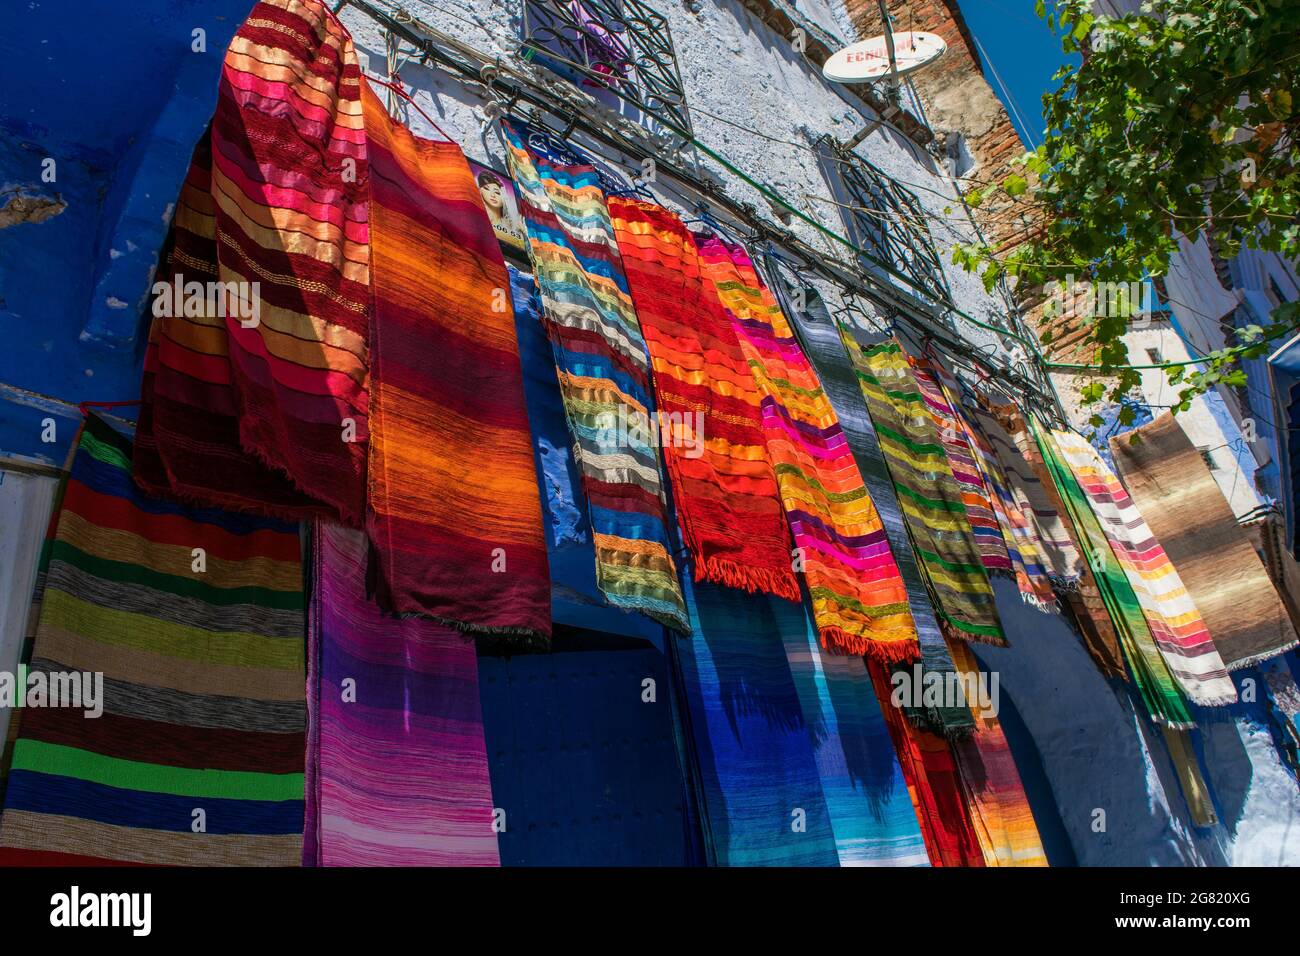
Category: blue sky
<point>1024,54</point>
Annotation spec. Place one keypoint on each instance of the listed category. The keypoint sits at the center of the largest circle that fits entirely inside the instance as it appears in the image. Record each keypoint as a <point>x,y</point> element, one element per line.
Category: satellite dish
<point>868,61</point>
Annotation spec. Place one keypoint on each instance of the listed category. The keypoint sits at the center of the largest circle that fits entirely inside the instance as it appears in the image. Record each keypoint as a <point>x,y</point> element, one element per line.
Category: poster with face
<point>502,207</point>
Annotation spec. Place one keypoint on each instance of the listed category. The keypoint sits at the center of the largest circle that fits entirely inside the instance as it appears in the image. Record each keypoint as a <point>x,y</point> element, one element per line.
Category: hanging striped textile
<point>1019,524</point>
<point>266,413</point>
<point>194,617</point>
<point>871,813</point>
<point>1033,486</point>
<point>604,372</point>
<point>931,499</point>
<point>1187,513</point>
<point>966,471</point>
<point>859,599</point>
<point>451,460</point>
<point>397,768</point>
<point>1175,623</point>
<point>819,335</point>
<point>1156,685</point>
<point>759,791</point>
<point>932,782</point>
<point>724,487</point>
<point>999,809</point>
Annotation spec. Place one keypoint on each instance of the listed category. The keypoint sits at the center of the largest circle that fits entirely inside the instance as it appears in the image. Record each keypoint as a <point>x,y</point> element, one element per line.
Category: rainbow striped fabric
<point>966,471</point>
<point>1156,685</point>
<point>1175,624</point>
<point>724,487</point>
<point>451,459</point>
<point>859,599</point>
<point>604,372</point>
<point>930,497</point>
<point>995,797</point>
<point>195,619</point>
<point>266,412</point>
<point>397,771</point>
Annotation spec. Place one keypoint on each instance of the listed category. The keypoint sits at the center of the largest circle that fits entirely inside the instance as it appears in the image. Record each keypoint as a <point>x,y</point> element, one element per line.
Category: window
<point>1208,458</point>
<point>619,51</point>
<point>883,219</point>
<point>1154,357</point>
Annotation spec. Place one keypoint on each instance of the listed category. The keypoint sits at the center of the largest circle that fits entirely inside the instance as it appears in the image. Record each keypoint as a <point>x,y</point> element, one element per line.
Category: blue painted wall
<point>115,93</point>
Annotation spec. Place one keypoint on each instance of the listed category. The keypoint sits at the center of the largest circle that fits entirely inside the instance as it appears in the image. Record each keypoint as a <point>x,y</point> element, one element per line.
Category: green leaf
<point>1015,185</point>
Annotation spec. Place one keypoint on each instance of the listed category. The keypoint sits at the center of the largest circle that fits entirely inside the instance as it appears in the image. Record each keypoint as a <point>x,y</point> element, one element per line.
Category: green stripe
<point>104,452</point>
<point>122,572</point>
<point>843,496</point>
<point>150,634</point>
<point>40,757</point>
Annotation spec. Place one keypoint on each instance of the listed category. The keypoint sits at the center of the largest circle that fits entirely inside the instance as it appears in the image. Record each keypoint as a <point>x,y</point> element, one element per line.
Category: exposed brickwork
<point>959,100</point>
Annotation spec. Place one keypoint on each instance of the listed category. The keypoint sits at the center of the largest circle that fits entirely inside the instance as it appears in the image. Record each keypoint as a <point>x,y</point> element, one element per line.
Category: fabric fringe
<point>1260,658</point>
<point>742,577</point>
<point>840,641</point>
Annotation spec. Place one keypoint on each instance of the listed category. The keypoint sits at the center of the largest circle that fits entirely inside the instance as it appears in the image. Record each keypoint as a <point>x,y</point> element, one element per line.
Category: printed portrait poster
<point>498,194</point>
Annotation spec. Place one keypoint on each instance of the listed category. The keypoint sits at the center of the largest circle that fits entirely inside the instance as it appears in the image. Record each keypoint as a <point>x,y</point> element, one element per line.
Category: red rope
<point>84,407</point>
<point>397,88</point>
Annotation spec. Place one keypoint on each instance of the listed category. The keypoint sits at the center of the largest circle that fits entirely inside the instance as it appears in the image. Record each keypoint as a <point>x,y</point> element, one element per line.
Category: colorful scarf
<point>1175,623</point>
<point>1190,517</point>
<point>859,600</point>
<point>1156,686</point>
<point>932,782</point>
<point>724,488</point>
<point>397,770</point>
<point>194,617</point>
<point>820,338</point>
<point>871,814</point>
<point>1033,486</point>
<point>604,375</point>
<point>759,789</point>
<point>931,499</point>
<point>966,471</point>
<point>268,416</point>
<point>451,464</point>
<point>1020,526</point>
<point>999,809</point>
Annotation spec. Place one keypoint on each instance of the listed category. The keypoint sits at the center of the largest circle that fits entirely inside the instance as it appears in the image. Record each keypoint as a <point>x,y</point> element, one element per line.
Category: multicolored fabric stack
<point>454,514</point>
<point>604,372</point>
<point>255,400</point>
<point>1175,623</point>
<point>194,617</point>
<point>724,487</point>
<point>397,771</point>
<point>859,600</point>
<point>931,499</point>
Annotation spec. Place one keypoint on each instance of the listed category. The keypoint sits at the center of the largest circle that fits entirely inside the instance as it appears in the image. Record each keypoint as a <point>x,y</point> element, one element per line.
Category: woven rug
<point>1171,614</point>
<point>724,487</point>
<point>266,413</point>
<point>820,337</point>
<point>397,769</point>
<point>999,809</point>
<point>1159,691</point>
<point>455,518</point>
<point>966,471</point>
<point>194,617</point>
<point>871,813</point>
<point>859,600</point>
<point>932,781</point>
<point>930,497</point>
<point>760,794</point>
<point>604,372</point>
<point>1187,513</point>
<point>1031,483</point>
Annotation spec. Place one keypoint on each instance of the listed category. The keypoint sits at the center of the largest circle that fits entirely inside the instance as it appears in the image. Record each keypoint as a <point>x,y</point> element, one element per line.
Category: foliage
<point>1181,118</point>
